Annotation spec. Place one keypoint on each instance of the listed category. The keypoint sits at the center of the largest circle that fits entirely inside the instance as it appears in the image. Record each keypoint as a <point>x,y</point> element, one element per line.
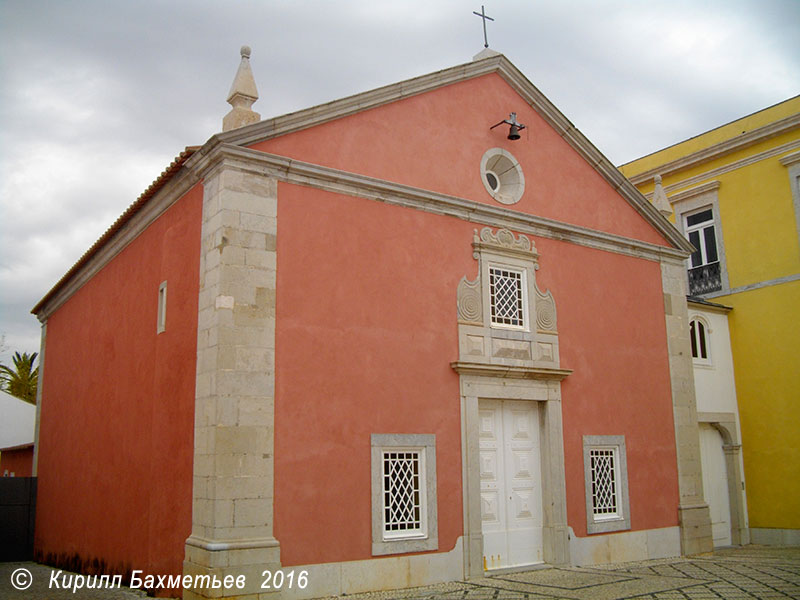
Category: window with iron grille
<point>606,478</point>
<point>704,272</point>
<point>506,298</point>
<point>403,493</point>
<point>605,501</point>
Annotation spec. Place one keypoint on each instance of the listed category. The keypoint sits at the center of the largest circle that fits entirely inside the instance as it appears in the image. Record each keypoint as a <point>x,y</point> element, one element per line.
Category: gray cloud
<point>97,97</point>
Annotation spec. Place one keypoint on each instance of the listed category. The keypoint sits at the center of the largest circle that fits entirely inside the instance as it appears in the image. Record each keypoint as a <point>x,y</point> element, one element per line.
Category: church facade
<point>341,343</point>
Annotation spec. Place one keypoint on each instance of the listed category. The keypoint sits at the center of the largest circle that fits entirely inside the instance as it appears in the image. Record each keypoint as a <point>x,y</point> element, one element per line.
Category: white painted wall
<point>713,382</point>
<point>715,389</point>
<point>17,421</point>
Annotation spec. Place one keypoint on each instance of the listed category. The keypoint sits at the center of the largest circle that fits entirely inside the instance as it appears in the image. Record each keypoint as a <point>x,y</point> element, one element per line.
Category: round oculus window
<point>502,176</point>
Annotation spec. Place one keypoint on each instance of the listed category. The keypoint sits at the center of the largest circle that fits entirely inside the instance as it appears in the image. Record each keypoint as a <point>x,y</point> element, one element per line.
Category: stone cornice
<point>721,149</point>
<point>705,188</point>
<point>235,544</point>
<point>506,372</point>
<point>353,184</point>
<point>692,192</point>
<point>744,162</point>
<point>710,306</point>
<point>790,159</point>
<point>343,107</point>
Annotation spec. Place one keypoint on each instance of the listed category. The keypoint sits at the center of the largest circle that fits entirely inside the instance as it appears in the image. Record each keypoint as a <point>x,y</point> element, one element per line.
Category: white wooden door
<point>715,484</point>
<point>511,492</point>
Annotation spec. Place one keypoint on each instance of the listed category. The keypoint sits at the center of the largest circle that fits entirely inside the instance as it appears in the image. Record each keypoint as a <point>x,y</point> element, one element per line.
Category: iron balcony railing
<point>705,279</point>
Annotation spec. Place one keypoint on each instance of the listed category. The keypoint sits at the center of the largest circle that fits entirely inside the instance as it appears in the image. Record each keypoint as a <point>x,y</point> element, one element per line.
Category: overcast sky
<point>97,97</point>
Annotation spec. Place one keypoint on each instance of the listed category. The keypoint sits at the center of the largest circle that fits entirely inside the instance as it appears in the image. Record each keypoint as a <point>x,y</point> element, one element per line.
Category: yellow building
<point>734,192</point>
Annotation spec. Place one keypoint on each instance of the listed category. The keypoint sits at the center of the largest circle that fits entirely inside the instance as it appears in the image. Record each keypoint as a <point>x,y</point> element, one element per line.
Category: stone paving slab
<point>749,573</point>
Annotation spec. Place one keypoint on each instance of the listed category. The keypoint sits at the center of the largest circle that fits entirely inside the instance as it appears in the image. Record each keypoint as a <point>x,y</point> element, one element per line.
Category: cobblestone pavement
<point>752,572</point>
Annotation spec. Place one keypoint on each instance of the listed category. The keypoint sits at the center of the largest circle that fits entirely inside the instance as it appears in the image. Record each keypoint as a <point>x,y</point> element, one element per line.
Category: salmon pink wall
<point>423,142</point>
<point>18,461</point>
<point>365,335</point>
<point>116,431</point>
<point>612,333</point>
<point>366,332</point>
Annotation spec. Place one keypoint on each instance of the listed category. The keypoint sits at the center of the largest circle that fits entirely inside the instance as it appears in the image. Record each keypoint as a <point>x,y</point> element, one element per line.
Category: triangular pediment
<point>498,64</point>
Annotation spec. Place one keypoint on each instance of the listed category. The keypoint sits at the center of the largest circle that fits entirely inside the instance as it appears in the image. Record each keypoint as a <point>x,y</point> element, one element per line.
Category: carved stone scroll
<point>470,305</point>
<point>506,239</point>
<point>545,311</point>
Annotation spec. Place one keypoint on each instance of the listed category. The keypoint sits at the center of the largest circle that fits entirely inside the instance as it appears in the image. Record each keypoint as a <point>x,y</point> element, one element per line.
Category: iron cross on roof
<point>483,16</point>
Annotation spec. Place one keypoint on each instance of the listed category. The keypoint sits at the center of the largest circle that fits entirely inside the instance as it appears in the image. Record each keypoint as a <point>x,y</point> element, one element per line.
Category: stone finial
<point>242,95</point>
<point>660,200</point>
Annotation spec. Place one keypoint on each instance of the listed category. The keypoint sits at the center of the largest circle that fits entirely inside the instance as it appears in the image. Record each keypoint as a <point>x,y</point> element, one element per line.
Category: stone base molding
<point>626,546</point>
<point>245,559</point>
<point>376,574</point>
<point>774,537</point>
<point>695,524</point>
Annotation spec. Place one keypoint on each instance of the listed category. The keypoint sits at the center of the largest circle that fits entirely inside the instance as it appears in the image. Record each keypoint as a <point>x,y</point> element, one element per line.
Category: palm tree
<point>22,379</point>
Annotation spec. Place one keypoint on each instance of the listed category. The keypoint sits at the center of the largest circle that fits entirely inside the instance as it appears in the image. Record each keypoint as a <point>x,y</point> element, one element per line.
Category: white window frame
<point>619,521</point>
<point>701,227</point>
<point>161,322</point>
<point>694,336</point>
<point>426,537</point>
<point>422,530</point>
<point>523,281</point>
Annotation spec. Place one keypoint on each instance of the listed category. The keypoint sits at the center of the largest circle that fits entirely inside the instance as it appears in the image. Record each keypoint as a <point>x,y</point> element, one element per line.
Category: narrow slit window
<point>699,339</point>
<point>162,307</point>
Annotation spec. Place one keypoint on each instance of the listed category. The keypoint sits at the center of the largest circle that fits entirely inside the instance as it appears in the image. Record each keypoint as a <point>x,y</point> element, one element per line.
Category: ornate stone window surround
<point>692,201</point>
<point>622,519</point>
<point>537,339</point>
<point>424,445</point>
